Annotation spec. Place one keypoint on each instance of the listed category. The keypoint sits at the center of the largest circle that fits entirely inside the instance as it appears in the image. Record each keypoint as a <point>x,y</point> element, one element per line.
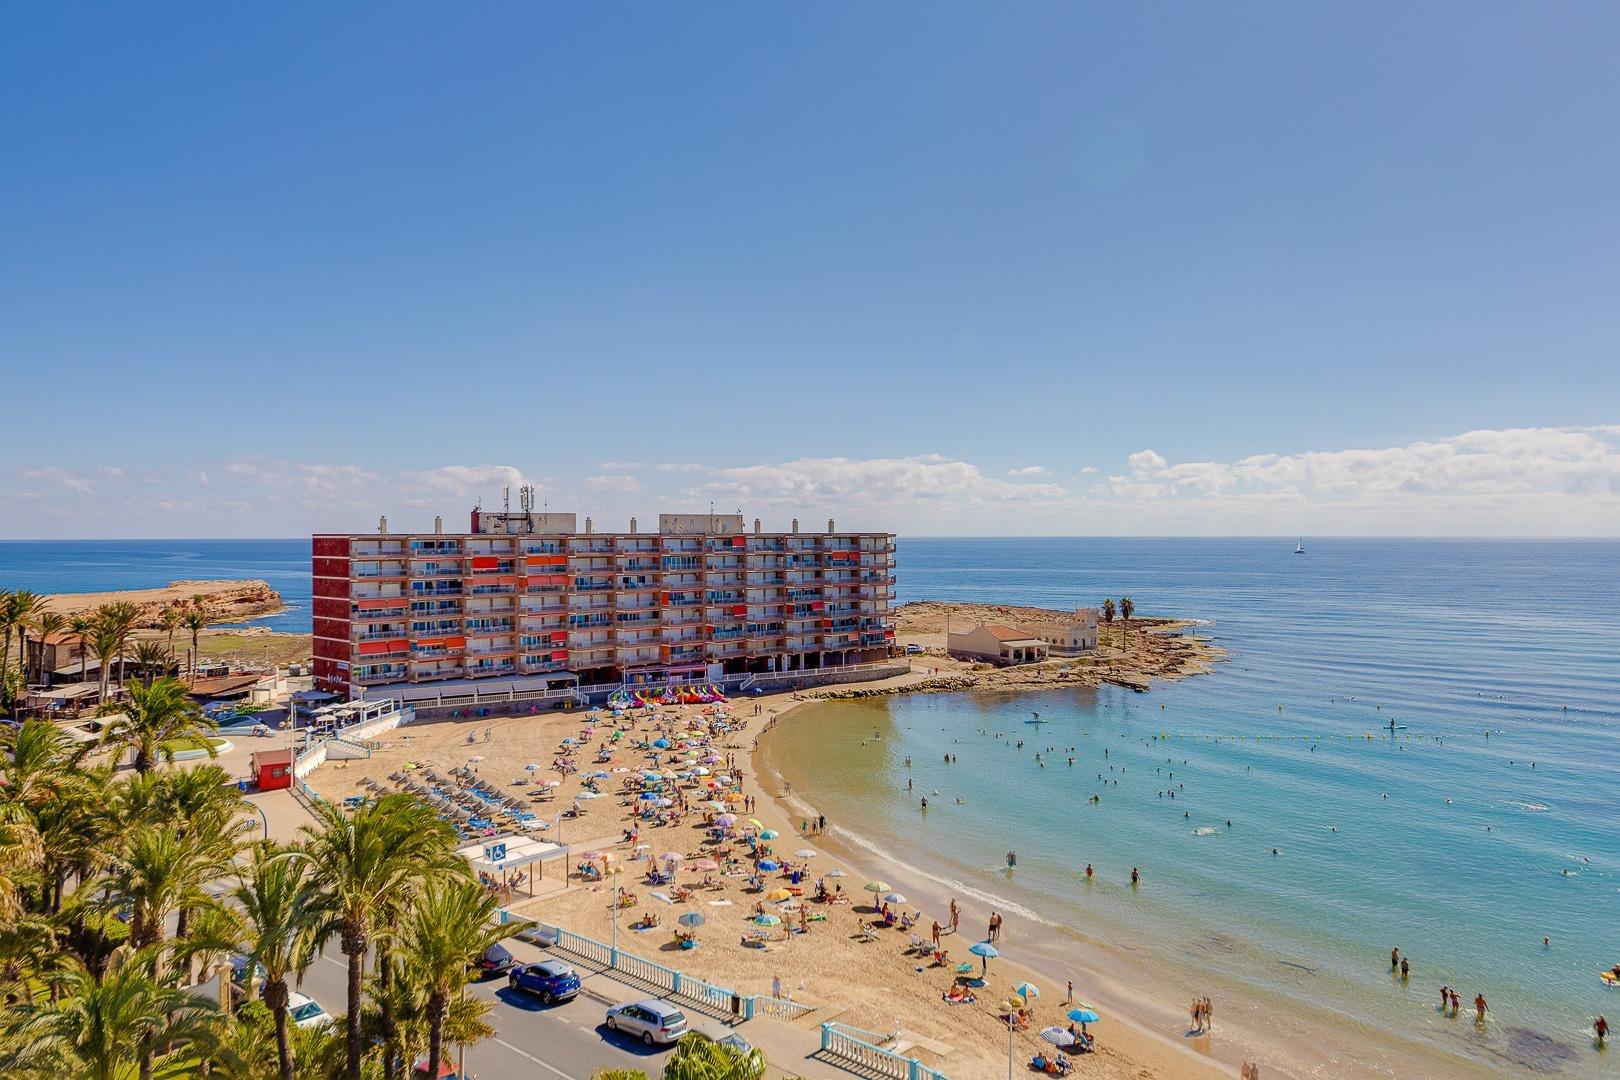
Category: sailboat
<point>1300,548</point>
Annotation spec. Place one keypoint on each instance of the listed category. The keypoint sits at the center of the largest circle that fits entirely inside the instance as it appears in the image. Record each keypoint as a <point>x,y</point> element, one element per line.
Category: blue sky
<point>1026,268</point>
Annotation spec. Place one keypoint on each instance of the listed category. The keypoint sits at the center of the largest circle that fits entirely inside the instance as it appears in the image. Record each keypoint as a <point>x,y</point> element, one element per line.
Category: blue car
<point>551,981</point>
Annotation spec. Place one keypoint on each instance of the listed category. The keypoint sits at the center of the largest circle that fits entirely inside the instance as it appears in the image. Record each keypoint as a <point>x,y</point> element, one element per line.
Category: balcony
<point>386,674</point>
<point>430,674</point>
<point>531,666</point>
<point>479,671</point>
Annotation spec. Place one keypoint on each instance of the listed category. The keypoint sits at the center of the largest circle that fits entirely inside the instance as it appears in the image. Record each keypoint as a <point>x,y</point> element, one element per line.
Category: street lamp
<point>262,818</point>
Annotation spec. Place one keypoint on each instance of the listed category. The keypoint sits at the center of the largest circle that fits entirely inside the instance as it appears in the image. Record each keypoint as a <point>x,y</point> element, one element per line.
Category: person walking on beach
<point>936,934</point>
<point>1197,1011</point>
<point>995,925</point>
<point>956,915</point>
<point>1456,1003</point>
<point>1209,1013</point>
<point>1068,995</point>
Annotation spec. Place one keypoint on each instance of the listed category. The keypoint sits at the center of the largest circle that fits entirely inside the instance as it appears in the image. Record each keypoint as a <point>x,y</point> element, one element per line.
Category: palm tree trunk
<point>385,1018</point>
<point>354,947</point>
<point>276,997</point>
<point>194,658</point>
<point>438,1005</point>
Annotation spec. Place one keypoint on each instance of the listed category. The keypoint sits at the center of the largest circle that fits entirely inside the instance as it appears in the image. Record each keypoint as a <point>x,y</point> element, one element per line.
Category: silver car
<point>653,1022</point>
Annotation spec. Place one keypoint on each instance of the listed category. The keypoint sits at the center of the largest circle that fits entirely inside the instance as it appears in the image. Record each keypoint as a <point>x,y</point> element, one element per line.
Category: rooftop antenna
<point>506,499</point>
<point>526,500</point>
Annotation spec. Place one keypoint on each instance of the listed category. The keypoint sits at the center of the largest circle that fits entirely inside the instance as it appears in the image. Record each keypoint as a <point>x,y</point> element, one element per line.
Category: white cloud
<point>465,480</point>
<point>680,467</point>
<point>621,466</point>
<point>1028,470</point>
<point>893,483</point>
<point>80,483</point>
<point>620,483</point>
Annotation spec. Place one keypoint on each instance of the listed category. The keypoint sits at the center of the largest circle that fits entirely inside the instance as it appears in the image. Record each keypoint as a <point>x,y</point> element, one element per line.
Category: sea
<point>1287,836</point>
<point>79,566</point>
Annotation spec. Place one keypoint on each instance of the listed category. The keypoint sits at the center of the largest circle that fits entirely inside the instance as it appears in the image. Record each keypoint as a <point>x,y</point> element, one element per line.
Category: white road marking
<point>531,1057</point>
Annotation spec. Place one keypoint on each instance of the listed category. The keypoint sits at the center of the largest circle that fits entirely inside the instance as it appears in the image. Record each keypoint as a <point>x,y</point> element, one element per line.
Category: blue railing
<point>855,1045</point>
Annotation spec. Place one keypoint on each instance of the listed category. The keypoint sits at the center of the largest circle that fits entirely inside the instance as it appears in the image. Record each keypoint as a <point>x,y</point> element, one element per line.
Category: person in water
<point>1600,1027</point>
<point>1088,871</point>
<point>1395,957</point>
<point>1135,877</point>
<point>1406,969</point>
<point>1479,1007</point>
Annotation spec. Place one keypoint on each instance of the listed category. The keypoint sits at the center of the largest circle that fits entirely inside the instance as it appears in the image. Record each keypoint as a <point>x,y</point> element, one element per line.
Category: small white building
<point>997,645</point>
<point>1068,637</point>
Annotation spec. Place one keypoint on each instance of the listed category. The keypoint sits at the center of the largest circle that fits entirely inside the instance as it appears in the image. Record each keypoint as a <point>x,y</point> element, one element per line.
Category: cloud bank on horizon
<point>1541,481</point>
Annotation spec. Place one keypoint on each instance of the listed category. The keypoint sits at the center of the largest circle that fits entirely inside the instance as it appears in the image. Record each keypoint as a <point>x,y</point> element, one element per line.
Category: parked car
<point>550,980</point>
<point>653,1022</point>
<point>494,960</point>
<point>305,1012</point>
<point>913,649</point>
<point>447,1071</point>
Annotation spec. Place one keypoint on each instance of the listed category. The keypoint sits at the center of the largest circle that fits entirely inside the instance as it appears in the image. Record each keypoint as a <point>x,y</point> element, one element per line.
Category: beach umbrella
<point>776,895</point>
<point>665,897</point>
<point>666,802</point>
<point>768,834</point>
<point>1057,1036</point>
<point>805,853</point>
<point>766,920</point>
<point>705,866</point>
<point>475,757</point>
<point>692,920</point>
<point>531,767</point>
<point>837,872</point>
<point>671,857</point>
<point>984,951</point>
<point>893,898</point>
<point>699,770</point>
<point>652,777</point>
<point>1083,1015</point>
<point>724,778</point>
<point>718,807</point>
<point>661,743</point>
<point>756,823</point>
<point>588,795</point>
<point>880,887</point>
<point>769,864</point>
<point>726,820</point>
<point>552,784</point>
<point>1013,1002</point>
<point>1027,990</point>
<point>647,796</point>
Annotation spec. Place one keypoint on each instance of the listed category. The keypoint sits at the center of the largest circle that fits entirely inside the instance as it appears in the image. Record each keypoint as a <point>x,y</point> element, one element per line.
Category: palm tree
<point>1108,612</point>
<point>158,873</point>
<point>194,620</point>
<point>1127,607</point>
<point>120,618</point>
<point>276,900</point>
<point>358,863</point>
<point>20,851</point>
<point>698,1057</point>
<point>109,1028</point>
<point>46,625</point>
<point>169,622</point>
<point>154,715</point>
<point>82,624</point>
<point>17,610</point>
<point>151,657</point>
<point>448,926</point>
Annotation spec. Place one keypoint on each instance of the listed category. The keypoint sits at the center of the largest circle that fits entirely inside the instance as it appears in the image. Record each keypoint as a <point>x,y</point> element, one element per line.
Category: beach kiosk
<point>499,860</point>
<point>272,769</point>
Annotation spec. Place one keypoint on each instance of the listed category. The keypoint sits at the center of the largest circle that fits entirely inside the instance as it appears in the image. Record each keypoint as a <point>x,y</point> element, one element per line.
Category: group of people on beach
<point>1202,1010</point>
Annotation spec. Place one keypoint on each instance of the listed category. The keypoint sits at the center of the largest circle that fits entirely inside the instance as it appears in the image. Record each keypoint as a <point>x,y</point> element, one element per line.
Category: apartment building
<point>531,598</point>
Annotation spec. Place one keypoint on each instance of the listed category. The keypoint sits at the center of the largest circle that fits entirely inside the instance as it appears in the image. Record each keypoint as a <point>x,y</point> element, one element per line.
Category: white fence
<point>854,1045</point>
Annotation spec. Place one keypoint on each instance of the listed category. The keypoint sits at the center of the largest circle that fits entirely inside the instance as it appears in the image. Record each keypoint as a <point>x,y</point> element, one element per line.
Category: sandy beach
<point>877,983</point>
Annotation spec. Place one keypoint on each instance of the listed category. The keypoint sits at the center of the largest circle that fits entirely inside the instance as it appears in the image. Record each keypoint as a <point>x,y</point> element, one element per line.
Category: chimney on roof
<point>795,524</point>
<point>632,525</point>
<point>438,525</point>
<point>756,526</point>
<point>829,524</point>
<point>382,525</point>
<point>588,526</point>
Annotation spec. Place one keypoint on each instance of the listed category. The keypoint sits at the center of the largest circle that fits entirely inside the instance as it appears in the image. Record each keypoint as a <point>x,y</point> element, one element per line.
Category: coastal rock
<point>221,601</point>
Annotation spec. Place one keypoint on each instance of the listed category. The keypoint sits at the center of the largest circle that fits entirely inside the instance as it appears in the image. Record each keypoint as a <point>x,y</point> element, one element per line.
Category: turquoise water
<point>1435,838</point>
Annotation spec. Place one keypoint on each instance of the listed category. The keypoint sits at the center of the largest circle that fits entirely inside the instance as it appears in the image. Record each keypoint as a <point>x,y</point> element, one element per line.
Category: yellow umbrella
<point>778,894</point>
<point>878,887</point>
<point>1013,1002</point>
<point>756,823</point>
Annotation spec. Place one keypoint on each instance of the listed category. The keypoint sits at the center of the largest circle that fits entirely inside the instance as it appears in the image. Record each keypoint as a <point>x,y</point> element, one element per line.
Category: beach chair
<point>866,933</point>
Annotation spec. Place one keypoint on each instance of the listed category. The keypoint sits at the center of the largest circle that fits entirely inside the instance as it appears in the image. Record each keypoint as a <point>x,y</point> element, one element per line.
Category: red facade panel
<point>326,586</point>
<point>331,628</point>
<point>329,607</point>
<point>328,567</point>
<point>329,545</point>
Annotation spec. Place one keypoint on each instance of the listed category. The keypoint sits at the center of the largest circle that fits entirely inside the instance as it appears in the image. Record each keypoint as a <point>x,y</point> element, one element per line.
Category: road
<point>562,1041</point>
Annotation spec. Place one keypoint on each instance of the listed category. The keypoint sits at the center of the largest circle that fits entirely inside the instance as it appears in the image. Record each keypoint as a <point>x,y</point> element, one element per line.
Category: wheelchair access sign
<point>495,853</point>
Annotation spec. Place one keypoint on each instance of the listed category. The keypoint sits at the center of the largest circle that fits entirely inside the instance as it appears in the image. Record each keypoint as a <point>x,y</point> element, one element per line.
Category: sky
<point>946,269</point>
